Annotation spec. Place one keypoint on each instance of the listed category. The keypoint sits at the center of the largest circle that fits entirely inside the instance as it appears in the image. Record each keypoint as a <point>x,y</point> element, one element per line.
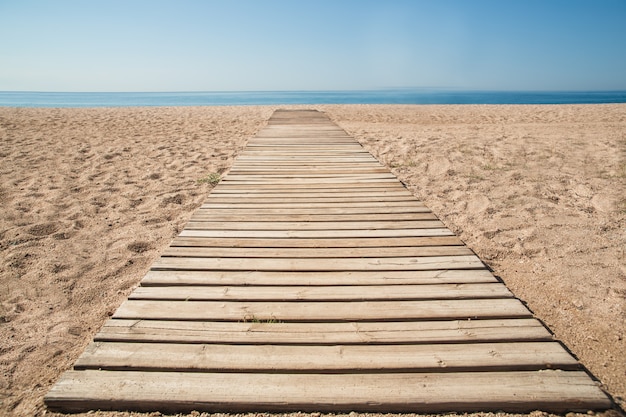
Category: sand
<point>90,197</point>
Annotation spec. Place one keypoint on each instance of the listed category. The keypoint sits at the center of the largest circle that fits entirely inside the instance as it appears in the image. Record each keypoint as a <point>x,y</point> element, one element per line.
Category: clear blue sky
<point>231,45</point>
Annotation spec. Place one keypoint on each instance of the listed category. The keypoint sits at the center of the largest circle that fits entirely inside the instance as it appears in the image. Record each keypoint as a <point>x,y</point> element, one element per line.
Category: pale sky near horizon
<point>252,45</point>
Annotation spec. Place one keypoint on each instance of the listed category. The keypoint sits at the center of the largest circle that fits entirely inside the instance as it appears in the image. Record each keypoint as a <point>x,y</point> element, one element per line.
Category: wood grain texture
<point>411,333</point>
<point>306,311</point>
<point>557,391</point>
<point>325,358</point>
<point>319,264</point>
<point>375,252</point>
<point>357,243</point>
<point>323,293</point>
<point>288,278</point>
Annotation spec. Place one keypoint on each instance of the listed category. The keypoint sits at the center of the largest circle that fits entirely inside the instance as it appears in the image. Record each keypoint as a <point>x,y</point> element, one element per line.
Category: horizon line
<point>449,89</point>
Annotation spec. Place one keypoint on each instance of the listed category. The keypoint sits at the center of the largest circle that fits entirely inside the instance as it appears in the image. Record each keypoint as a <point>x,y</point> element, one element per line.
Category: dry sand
<point>90,197</point>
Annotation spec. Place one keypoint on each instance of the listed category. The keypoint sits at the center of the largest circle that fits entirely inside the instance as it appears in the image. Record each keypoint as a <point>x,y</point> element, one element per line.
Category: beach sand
<point>90,197</point>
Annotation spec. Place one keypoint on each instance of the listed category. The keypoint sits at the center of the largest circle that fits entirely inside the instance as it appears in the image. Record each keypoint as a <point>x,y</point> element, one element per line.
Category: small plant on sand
<point>473,176</point>
<point>213,178</point>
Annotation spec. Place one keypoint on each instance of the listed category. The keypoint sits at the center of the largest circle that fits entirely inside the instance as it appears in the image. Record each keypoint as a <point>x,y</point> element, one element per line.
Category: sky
<point>276,45</point>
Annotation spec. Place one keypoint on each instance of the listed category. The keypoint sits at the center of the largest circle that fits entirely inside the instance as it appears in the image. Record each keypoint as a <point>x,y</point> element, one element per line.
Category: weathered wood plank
<point>253,199</point>
<point>312,186</point>
<point>224,210</point>
<point>305,165</point>
<point>369,242</point>
<point>320,264</point>
<point>299,252</point>
<point>233,216</point>
<point>339,225</point>
<point>272,169</point>
<point>308,159</point>
<point>323,293</point>
<point>303,311</point>
<point>304,140</point>
<point>171,278</point>
<point>304,178</point>
<point>320,205</point>
<point>357,192</point>
<point>255,180</point>
<point>323,359</point>
<point>390,333</point>
<point>336,226</point>
<point>310,234</point>
<point>523,391</point>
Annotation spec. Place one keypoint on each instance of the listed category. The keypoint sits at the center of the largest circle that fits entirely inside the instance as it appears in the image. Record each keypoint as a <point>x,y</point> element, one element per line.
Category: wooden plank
<point>320,128</point>
<point>311,176</point>
<point>323,155</point>
<point>284,147</point>
<point>378,205</point>
<point>324,359</point>
<point>321,168</point>
<point>390,185</point>
<point>224,210</point>
<point>307,172</point>
<point>232,216</point>
<point>303,311</point>
<point>352,160</point>
<point>323,293</point>
<point>295,151</point>
<point>301,134</point>
<point>304,138</point>
<point>290,159</point>
<point>303,192</point>
<point>373,252</point>
<point>171,278</point>
<point>327,182</point>
<point>310,234</point>
<point>310,136</point>
<point>320,264</point>
<point>254,199</point>
<point>336,144</point>
<point>369,242</point>
<point>267,158</point>
<point>389,333</point>
<point>306,165</point>
<point>335,226</point>
<point>326,155</point>
<point>522,391</point>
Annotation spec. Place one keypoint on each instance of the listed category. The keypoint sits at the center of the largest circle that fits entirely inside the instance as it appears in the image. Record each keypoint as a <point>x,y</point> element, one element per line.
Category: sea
<point>228,98</point>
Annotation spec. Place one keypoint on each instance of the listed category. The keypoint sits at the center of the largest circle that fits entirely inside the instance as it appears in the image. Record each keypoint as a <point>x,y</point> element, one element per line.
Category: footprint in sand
<point>438,166</point>
<point>604,203</point>
<point>478,204</point>
<point>43,229</point>
<point>139,247</point>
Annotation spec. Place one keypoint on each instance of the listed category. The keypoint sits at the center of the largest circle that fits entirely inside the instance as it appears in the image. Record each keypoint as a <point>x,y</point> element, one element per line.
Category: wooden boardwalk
<point>312,280</point>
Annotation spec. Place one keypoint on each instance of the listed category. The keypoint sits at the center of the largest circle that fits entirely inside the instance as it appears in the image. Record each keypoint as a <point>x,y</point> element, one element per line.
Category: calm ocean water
<point>399,96</point>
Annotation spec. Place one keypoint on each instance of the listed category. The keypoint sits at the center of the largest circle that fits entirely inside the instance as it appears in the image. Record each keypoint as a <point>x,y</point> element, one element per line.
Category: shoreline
<point>382,96</point>
<point>92,196</point>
